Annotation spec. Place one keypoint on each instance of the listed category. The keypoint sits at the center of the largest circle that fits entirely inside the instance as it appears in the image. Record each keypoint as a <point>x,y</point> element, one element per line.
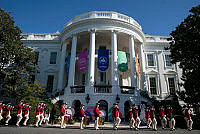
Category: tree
<point>16,60</point>
<point>185,49</point>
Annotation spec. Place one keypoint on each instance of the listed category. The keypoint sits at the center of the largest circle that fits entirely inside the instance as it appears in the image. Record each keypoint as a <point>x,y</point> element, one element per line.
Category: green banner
<point>122,61</point>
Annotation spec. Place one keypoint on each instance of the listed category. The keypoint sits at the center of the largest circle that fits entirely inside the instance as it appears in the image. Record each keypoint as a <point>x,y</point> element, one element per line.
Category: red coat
<point>147,113</point>
<point>187,114</point>
<point>62,111</point>
<point>41,109</point>
<point>8,111</point>
<point>135,113</point>
<point>162,113</point>
<point>19,108</point>
<point>82,113</point>
<point>1,107</point>
<point>26,110</point>
<point>170,113</point>
<point>115,112</point>
<point>37,111</point>
<point>130,114</point>
<point>152,114</point>
<point>96,112</point>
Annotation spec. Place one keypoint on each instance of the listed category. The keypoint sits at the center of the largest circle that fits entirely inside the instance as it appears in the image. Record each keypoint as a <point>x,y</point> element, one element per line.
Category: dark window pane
<point>171,86</point>
<point>53,57</point>
<point>153,85</point>
<point>150,59</point>
<point>167,60</point>
<point>50,83</point>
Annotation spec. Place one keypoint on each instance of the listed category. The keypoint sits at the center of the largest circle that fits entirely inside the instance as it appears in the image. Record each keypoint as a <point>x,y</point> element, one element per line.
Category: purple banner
<point>83,61</point>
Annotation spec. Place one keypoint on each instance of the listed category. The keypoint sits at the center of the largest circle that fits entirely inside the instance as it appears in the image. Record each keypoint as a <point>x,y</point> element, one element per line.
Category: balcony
<point>104,14</point>
<point>102,88</point>
<point>77,89</point>
<point>127,90</point>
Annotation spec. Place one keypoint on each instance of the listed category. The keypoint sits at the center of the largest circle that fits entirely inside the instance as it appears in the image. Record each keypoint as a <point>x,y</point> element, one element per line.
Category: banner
<point>83,61</point>
<point>122,61</point>
<point>67,64</point>
<point>103,59</point>
<point>136,66</point>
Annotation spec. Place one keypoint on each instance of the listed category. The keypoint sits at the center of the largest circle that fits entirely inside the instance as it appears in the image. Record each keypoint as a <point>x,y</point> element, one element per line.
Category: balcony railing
<point>77,89</point>
<point>104,14</point>
<point>103,88</point>
<point>127,90</point>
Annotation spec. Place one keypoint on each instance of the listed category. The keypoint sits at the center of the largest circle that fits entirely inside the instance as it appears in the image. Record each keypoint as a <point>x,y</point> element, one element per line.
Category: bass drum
<point>86,120</point>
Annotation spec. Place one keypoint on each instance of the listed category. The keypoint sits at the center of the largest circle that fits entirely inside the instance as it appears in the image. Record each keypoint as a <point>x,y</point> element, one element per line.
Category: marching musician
<point>96,114</point>
<point>170,117</point>
<point>8,117</point>
<point>115,115</point>
<point>147,116</point>
<point>41,113</point>
<point>46,114</point>
<point>1,109</point>
<point>27,108</point>
<point>82,115</point>
<point>37,115</point>
<point>162,117</point>
<point>153,118</point>
<point>19,112</point>
<point>131,120</point>
<point>63,113</point>
<point>188,118</point>
<point>136,117</point>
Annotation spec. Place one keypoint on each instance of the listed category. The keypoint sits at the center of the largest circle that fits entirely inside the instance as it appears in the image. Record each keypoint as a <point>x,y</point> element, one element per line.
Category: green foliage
<point>185,49</point>
<point>16,60</point>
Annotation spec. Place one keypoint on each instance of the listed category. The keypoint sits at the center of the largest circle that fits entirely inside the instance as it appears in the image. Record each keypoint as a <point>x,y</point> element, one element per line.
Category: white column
<point>132,61</point>
<point>72,63</point>
<point>115,78</point>
<point>91,66</point>
<point>62,64</point>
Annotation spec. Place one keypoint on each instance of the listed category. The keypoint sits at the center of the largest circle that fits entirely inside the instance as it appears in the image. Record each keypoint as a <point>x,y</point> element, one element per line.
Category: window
<point>150,59</point>
<point>153,85</point>
<point>83,79</point>
<point>36,58</point>
<point>53,57</point>
<point>50,83</point>
<point>171,86</point>
<point>102,77</point>
<point>167,60</point>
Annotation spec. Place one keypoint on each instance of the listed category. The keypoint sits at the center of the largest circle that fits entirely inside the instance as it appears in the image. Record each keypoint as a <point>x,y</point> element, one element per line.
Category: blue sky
<point>157,17</point>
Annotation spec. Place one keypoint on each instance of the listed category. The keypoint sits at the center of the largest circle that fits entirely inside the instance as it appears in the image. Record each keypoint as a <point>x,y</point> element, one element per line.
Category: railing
<point>104,14</point>
<point>77,89</point>
<point>127,89</point>
<point>103,88</point>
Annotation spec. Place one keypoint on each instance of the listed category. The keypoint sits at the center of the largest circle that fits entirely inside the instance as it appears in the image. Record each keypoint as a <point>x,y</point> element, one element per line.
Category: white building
<point>108,31</point>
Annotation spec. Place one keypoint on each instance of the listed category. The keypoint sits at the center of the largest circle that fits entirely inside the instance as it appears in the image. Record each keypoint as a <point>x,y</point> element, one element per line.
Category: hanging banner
<point>103,59</point>
<point>137,65</point>
<point>83,61</point>
<point>122,61</point>
<point>67,64</point>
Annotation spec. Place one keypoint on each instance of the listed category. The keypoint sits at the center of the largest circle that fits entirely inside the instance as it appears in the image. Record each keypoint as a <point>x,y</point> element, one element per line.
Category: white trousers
<point>26,119</point>
<point>81,123</point>
<point>116,122</point>
<point>19,118</point>
<point>37,120</point>
<point>96,123</point>
<point>154,124</point>
<point>62,125</point>
<point>189,123</point>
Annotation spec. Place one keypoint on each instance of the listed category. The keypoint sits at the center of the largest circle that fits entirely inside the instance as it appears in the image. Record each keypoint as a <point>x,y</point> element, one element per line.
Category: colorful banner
<point>67,64</point>
<point>137,66</point>
<point>122,61</point>
<point>83,61</point>
<point>103,59</point>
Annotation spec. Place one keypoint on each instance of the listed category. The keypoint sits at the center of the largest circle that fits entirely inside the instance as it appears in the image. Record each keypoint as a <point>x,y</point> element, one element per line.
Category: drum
<point>101,121</point>
<point>86,121</point>
<point>102,113</point>
<point>70,112</point>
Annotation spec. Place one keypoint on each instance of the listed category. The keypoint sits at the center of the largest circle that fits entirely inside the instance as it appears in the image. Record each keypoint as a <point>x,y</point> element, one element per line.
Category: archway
<point>127,106</point>
<point>76,105</point>
<point>104,106</point>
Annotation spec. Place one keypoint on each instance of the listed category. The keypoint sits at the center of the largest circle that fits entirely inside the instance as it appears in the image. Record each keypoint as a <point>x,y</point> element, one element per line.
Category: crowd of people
<point>43,115</point>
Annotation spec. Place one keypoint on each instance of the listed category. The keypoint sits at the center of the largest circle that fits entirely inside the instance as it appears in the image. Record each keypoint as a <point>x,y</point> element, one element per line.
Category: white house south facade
<point>104,57</point>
